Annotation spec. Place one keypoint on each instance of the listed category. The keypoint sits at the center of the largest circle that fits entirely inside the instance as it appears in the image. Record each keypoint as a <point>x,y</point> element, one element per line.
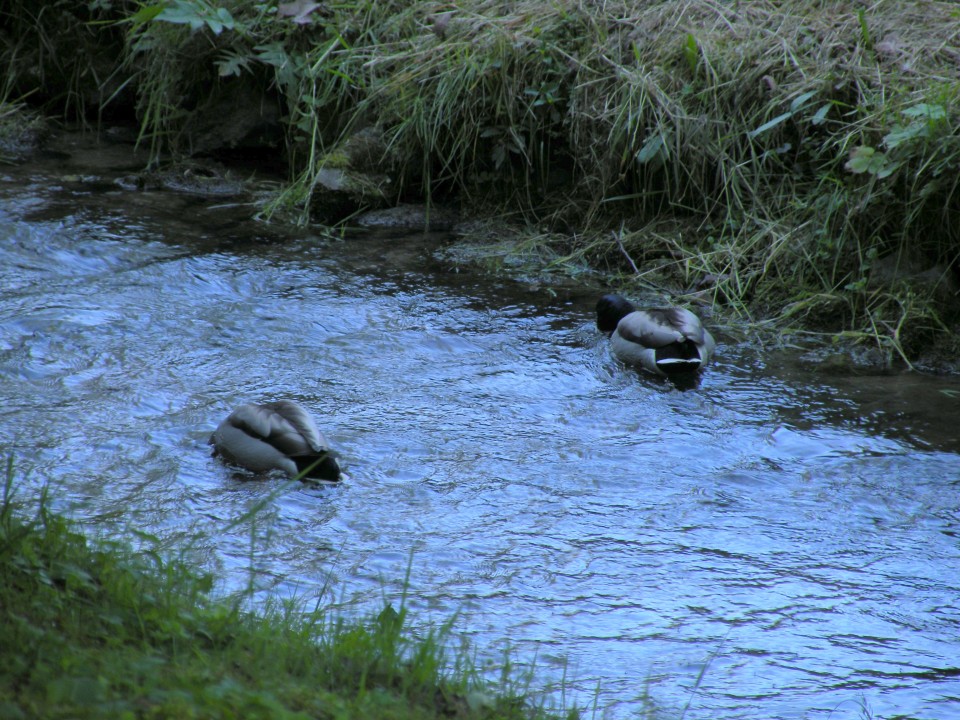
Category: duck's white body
<point>667,341</point>
<point>277,435</point>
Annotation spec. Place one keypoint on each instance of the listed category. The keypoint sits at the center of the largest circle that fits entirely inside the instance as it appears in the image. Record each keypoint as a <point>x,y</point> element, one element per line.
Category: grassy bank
<point>98,630</point>
<point>793,162</point>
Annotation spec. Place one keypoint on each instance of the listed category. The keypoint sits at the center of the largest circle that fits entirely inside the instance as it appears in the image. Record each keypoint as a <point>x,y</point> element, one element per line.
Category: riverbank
<point>483,425</point>
<point>94,628</point>
<point>789,165</point>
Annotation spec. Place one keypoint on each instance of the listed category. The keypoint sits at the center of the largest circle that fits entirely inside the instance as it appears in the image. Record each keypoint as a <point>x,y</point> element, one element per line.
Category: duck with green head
<point>277,435</point>
<point>668,341</point>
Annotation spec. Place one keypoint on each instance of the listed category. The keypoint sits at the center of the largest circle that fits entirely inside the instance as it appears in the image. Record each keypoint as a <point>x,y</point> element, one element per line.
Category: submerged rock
<point>339,194</point>
<point>426,218</point>
<point>192,177</point>
<point>21,133</point>
<point>354,178</point>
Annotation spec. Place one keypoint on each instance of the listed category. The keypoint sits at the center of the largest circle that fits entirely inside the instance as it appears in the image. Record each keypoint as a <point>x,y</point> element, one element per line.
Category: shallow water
<point>795,533</point>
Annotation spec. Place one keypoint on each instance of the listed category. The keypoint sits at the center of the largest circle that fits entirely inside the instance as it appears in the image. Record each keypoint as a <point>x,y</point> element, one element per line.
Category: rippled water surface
<point>794,534</point>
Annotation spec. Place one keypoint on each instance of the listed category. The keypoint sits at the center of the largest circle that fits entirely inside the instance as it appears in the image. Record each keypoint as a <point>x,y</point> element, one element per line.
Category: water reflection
<point>794,532</point>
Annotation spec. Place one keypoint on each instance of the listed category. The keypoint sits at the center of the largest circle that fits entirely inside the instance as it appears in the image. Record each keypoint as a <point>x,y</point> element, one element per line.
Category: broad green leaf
<point>801,100</point>
<point>925,110</point>
<point>272,54</point>
<point>865,159</point>
<point>770,125</point>
<point>900,135</point>
<point>654,149</point>
<point>224,16</point>
<point>182,15</point>
<point>888,169</point>
<point>820,115</point>
<point>146,14</point>
<point>232,64</point>
<point>196,16</point>
<point>860,159</point>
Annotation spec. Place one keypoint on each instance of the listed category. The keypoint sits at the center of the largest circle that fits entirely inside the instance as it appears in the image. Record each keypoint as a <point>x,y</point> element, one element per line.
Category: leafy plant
<point>197,14</point>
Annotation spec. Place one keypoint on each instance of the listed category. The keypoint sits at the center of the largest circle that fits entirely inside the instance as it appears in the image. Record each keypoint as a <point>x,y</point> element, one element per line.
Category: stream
<point>777,542</point>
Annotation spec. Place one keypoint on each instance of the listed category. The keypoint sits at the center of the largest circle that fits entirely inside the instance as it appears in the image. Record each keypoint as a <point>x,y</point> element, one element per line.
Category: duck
<point>669,341</point>
<point>279,435</point>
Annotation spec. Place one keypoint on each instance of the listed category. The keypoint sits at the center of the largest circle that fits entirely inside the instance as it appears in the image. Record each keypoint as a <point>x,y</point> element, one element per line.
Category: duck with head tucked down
<point>668,341</point>
<point>278,435</point>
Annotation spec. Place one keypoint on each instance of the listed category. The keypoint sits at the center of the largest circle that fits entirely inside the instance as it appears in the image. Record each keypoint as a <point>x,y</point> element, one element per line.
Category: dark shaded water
<point>798,534</point>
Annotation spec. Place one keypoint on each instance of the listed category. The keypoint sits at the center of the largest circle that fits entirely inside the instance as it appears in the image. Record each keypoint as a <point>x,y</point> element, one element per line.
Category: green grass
<point>97,629</point>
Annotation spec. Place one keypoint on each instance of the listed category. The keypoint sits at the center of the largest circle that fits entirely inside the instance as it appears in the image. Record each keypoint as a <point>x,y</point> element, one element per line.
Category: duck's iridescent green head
<point>611,309</point>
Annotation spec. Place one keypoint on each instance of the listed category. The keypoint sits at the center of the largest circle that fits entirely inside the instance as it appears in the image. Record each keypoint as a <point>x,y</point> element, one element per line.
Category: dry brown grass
<point>703,146</point>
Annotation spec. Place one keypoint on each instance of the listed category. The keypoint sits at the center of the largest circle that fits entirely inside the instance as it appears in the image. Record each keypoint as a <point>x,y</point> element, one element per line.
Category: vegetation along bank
<point>792,165</point>
<point>94,629</point>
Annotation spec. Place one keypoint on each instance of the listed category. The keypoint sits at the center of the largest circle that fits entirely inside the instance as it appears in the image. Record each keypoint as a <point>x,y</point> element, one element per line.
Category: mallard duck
<point>668,341</point>
<point>277,435</point>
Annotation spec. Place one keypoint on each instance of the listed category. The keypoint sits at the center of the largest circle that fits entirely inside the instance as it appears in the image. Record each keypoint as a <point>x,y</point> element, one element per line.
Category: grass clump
<point>96,629</point>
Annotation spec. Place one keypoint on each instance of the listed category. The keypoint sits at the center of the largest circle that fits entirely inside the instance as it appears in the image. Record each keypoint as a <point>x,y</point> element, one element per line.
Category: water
<point>775,543</point>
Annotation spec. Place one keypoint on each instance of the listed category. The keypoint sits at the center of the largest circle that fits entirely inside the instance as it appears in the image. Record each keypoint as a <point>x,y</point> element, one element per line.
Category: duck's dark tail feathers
<point>678,358</point>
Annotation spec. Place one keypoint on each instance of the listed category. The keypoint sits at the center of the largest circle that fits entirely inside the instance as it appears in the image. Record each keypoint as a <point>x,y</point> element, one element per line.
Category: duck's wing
<point>650,328</point>
<point>688,324</point>
<point>658,327</point>
<point>283,424</point>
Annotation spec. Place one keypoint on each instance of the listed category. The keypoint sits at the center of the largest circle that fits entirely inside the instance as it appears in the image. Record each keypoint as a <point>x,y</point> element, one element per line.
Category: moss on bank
<point>791,161</point>
<point>95,629</point>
